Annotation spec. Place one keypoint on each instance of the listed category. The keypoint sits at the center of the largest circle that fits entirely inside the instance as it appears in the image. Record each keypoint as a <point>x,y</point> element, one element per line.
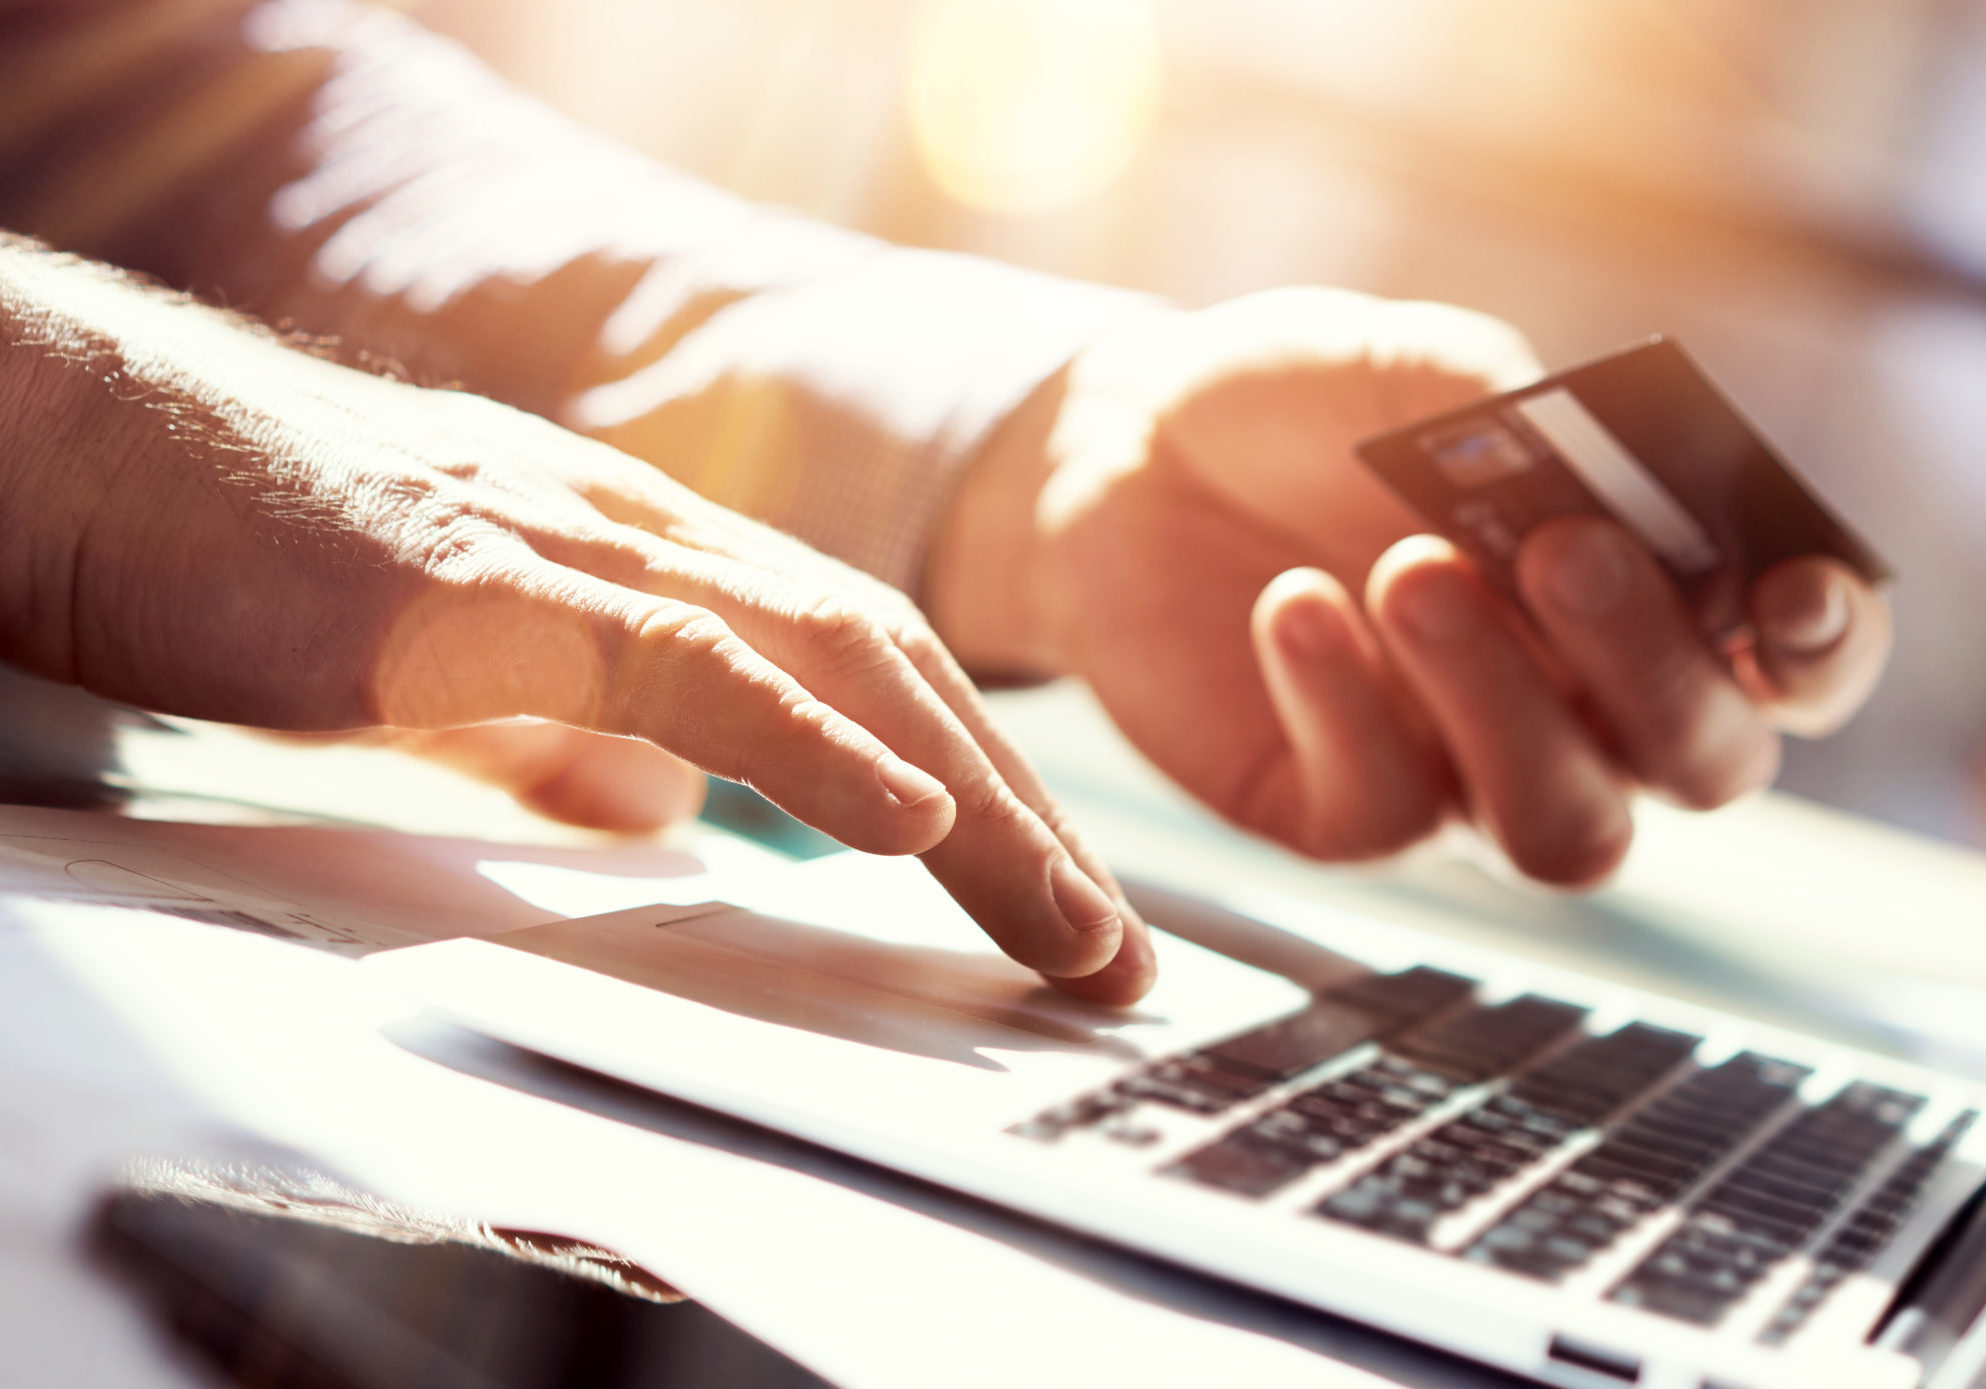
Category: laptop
<point>1582,1183</point>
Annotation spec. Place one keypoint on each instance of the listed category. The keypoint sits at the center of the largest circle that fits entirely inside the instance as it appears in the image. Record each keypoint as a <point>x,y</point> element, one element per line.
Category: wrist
<point>1005,569</point>
<point>56,433</point>
<point>983,580</point>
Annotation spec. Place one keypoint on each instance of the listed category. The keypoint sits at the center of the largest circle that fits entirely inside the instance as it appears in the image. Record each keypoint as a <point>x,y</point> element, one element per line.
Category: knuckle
<point>811,717</point>
<point>927,655</point>
<point>1058,822</point>
<point>845,642</point>
<point>452,535</point>
<point>457,549</point>
<point>990,804</point>
<point>462,470</point>
<point>401,494</point>
<point>901,618</point>
<point>691,633</point>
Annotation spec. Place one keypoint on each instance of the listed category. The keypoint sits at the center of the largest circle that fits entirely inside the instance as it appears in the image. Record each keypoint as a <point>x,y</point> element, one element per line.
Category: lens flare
<point>1022,106</point>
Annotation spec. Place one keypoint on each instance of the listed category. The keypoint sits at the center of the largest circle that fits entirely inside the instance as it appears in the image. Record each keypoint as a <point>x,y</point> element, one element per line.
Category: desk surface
<point>1776,908</point>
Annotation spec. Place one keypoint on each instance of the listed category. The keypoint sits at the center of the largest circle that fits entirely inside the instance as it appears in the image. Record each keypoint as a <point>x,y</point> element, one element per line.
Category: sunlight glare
<point>1021,106</point>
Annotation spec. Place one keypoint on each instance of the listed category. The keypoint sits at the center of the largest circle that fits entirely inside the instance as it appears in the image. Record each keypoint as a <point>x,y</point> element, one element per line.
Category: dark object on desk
<point>278,1303</point>
<point>58,744</point>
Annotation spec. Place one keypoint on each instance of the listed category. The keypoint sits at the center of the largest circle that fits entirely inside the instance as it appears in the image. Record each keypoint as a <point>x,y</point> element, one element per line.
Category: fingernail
<point>1083,904</point>
<point>907,785</point>
<point>1811,628</point>
<point>1309,633</point>
<point>1591,574</point>
<point>1435,605</point>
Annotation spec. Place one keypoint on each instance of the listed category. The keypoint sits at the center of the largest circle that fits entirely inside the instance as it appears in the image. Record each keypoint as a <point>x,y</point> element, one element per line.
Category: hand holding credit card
<point>1270,620</point>
<point>1642,437</point>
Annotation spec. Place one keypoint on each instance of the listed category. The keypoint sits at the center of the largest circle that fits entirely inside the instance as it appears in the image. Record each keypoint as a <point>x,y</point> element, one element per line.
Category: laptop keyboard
<point>1317,1126</point>
<point>1768,1206</point>
<point>1641,1166</point>
<point>1241,1068</point>
<point>1859,1239</point>
<point>1543,1146</point>
<point>1463,1159</point>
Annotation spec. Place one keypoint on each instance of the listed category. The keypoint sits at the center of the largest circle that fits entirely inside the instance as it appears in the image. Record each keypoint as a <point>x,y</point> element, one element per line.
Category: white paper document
<point>350,890</point>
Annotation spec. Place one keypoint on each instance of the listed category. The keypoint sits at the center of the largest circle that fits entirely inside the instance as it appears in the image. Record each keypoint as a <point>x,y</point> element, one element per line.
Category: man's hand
<point>204,521</point>
<point>1195,538</point>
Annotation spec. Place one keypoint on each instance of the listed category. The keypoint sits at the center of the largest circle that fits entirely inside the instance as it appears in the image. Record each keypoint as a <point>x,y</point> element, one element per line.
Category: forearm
<point>330,166</point>
<point>104,383</point>
<point>270,538</point>
<point>335,169</point>
<point>41,407</point>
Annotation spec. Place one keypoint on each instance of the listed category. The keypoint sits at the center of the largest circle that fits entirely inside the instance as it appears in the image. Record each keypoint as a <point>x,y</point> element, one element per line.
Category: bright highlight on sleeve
<point>1022,106</point>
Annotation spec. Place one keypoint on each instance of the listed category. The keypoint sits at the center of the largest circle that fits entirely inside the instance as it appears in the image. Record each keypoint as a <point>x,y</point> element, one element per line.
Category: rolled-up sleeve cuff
<point>842,407</point>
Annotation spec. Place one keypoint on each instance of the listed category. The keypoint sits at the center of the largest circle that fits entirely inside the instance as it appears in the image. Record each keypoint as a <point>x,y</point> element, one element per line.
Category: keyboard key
<point>1413,994</point>
<point>1431,1085</point>
<point>1180,1094</point>
<point>1678,1298</point>
<point>1489,1041</point>
<point>1641,1166</point>
<point>1242,1166</point>
<point>1309,1139</point>
<point>1588,1082</point>
<point>1444,1170</point>
<point>1292,1045</point>
<point>1199,1084</point>
<point>1321,1124</point>
<point>1369,1007</point>
<point>1081,1112</point>
<point>1860,1238</point>
<point>1243,1067</point>
<point>1735,1232</point>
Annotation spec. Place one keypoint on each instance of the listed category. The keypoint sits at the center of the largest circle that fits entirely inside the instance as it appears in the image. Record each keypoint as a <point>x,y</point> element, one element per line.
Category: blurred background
<point>1794,188</point>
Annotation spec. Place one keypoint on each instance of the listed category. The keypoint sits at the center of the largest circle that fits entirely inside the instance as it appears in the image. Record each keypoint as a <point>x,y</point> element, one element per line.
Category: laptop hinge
<point>1943,1295</point>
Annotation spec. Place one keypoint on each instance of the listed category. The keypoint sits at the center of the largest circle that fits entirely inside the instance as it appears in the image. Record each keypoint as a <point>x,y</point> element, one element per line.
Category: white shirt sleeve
<point>328,166</point>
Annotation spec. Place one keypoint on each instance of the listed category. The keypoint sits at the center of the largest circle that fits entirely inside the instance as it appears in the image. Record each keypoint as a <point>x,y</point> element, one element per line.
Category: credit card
<point>1641,437</point>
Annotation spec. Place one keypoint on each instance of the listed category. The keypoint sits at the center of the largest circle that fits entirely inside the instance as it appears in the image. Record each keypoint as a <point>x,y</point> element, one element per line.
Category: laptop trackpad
<point>871,984</point>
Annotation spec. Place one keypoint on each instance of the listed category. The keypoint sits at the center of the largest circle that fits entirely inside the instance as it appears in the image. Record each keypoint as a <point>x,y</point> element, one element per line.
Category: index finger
<point>1000,861</point>
<point>1822,635</point>
<point>1008,857</point>
<point>1128,974</point>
